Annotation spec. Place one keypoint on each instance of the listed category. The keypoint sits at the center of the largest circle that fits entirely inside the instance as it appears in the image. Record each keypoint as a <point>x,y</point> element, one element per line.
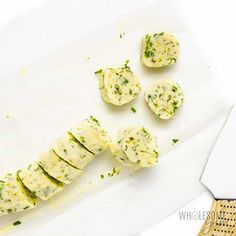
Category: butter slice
<point>159,50</point>
<point>14,197</point>
<point>57,167</point>
<point>91,135</point>
<point>119,85</point>
<point>70,150</point>
<point>140,146</point>
<point>38,182</point>
<point>164,97</point>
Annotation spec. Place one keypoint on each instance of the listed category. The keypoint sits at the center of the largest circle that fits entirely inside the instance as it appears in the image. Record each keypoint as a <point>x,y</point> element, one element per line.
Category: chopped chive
<point>16,223</point>
<point>121,35</point>
<point>81,138</point>
<point>174,140</point>
<point>133,109</point>
<point>98,72</point>
<point>102,176</point>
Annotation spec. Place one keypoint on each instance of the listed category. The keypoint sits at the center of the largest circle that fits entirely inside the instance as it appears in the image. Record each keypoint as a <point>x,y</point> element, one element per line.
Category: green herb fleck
<point>81,138</point>
<point>175,140</point>
<point>64,150</point>
<point>92,118</point>
<point>148,48</point>
<point>126,62</point>
<point>121,35</point>
<point>174,88</point>
<point>102,176</point>
<point>161,33</point>
<point>98,72</point>
<point>114,171</point>
<point>126,65</point>
<point>172,60</point>
<point>16,223</point>
<point>133,109</point>
<point>125,81</point>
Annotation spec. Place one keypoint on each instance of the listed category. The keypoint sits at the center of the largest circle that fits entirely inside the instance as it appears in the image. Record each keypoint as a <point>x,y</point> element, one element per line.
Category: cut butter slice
<point>159,50</point>
<point>70,150</point>
<point>14,196</point>
<point>91,135</point>
<point>118,86</point>
<point>140,146</point>
<point>57,167</point>
<point>164,97</point>
<point>39,182</point>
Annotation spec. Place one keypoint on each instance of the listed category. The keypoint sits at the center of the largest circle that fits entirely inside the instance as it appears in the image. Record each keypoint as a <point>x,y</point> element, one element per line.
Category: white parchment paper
<point>51,94</point>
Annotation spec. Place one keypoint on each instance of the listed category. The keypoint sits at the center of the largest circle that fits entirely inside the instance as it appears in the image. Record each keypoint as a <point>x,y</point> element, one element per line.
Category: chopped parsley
<point>114,171</point>
<point>161,33</point>
<point>126,65</point>
<point>125,81</point>
<point>122,35</point>
<point>172,60</point>
<point>16,223</point>
<point>92,118</point>
<point>148,48</point>
<point>174,88</point>
<point>98,72</point>
<point>133,109</point>
<point>174,140</point>
<point>81,138</point>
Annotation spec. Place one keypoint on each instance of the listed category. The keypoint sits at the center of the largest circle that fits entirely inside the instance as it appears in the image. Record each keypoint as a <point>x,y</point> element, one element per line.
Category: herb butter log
<point>57,167</point>
<point>71,150</point>
<point>118,86</point>
<point>164,97</point>
<point>14,196</point>
<point>39,182</point>
<point>159,50</point>
<point>91,135</point>
<point>135,147</point>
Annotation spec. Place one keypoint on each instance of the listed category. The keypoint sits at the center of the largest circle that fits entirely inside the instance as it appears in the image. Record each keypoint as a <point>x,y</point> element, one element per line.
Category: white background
<point>213,24</point>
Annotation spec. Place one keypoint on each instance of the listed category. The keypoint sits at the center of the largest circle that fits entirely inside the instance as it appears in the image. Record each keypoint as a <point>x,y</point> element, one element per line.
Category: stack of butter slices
<point>60,165</point>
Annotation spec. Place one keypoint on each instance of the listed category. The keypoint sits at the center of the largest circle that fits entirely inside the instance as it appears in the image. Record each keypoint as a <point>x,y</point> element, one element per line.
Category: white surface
<point>210,51</point>
<point>219,171</point>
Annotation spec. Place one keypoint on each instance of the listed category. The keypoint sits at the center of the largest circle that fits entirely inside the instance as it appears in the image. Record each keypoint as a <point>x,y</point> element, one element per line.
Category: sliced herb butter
<point>159,50</point>
<point>135,147</point>
<point>57,167</point>
<point>118,86</point>
<point>91,135</point>
<point>164,97</point>
<point>140,146</point>
<point>39,182</point>
<point>14,196</point>
<point>70,150</point>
